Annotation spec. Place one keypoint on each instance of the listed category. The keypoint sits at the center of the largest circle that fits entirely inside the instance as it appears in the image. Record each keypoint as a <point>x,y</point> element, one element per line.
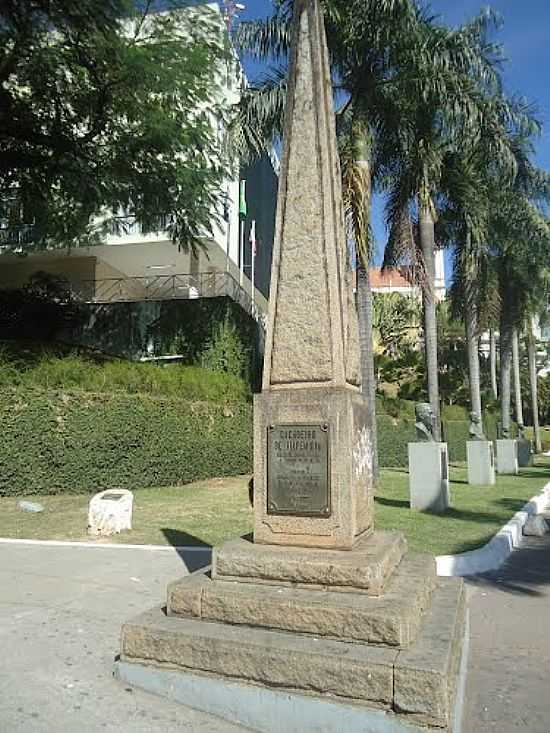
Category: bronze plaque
<point>298,479</point>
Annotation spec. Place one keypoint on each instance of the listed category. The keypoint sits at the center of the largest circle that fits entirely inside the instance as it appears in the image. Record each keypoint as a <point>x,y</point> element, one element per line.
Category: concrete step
<point>364,569</point>
<point>415,686</point>
<point>392,619</point>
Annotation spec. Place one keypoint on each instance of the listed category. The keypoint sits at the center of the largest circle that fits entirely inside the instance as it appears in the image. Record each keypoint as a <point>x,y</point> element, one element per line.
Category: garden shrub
<point>77,371</point>
<point>78,442</point>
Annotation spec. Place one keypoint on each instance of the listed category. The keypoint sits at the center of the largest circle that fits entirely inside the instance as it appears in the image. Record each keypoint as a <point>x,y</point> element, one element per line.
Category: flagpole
<point>242,219</point>
<point>253,243</point>
<point>241,255</point>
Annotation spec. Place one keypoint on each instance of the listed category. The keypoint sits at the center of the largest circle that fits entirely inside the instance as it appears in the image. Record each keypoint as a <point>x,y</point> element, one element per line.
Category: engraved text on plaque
<point>298,470</point>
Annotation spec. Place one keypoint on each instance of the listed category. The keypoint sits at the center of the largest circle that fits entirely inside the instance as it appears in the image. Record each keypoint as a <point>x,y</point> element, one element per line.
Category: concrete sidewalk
<point>61,609</point>
<point>509,667</point>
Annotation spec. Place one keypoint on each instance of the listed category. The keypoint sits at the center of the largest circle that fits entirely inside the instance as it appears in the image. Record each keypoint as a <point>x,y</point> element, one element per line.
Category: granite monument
<point>319,622</point>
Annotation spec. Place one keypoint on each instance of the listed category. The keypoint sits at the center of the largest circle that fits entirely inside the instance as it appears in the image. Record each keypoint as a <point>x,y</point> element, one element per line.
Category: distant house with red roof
<point>401,280</point>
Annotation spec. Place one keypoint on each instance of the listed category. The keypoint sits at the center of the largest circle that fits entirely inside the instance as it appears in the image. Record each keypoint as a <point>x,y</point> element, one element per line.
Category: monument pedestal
<point>365,639</point>
<point>429,477</point>
<point>316,438</point>
<point>525,453</point>
<point>507,457</point>
<point>481,462</point>
<point>320,623</point>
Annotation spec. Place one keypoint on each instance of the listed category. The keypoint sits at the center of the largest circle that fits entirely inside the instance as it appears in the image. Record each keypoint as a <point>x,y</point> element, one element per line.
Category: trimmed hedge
<point>395,433</point>
<point>66,442</point>
<point>79,442</point>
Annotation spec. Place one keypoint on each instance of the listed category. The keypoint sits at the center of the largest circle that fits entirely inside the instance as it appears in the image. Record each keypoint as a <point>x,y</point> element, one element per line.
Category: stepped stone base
<point>414,686</point>
<point>366,568</point>
<point>392,619</point>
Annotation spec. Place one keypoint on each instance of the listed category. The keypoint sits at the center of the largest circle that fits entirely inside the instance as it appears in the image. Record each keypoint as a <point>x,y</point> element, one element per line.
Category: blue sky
<point>525,34</point>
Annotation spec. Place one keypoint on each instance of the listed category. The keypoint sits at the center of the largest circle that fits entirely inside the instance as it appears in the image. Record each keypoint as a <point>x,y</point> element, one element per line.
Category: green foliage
<point>396,321</point>
<point>75,442</point>
<point>393,438</point>
<point>109,105</point>
<point>226,352</point>
<point>395,421</point>
<point>79,372</point>
<point>40,309</point>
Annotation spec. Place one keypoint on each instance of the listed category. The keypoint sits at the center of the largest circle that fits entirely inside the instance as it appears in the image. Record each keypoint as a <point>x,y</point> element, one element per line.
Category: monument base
<point>271,680</point>
<point>429,477</point>
<point>507,457</point>
<point>481,462</point>
<point>525,453</point>
<point>364,569</point>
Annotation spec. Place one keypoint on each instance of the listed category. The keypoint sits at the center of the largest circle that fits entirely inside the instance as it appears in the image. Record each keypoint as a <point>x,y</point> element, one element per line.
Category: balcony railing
<point>128,225</point>
<point>188,286</point>
<point>17,236</point>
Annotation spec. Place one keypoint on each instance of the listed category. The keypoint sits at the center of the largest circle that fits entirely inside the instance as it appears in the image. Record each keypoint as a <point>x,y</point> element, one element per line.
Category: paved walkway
<point>61,610</point>
<point>509,668</point>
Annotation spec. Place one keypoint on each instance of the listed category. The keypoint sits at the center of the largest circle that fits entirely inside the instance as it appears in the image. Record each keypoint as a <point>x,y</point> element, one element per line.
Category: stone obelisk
<point>313,456</point>
<point>320,623</point>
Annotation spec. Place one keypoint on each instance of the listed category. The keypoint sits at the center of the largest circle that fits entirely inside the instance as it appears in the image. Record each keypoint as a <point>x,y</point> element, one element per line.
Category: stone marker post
<point>313,479</point>
<point>320,622</point>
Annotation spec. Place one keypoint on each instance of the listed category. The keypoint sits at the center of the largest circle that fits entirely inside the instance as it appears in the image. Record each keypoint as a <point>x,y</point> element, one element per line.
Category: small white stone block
<point>507,456</point>
<point>110,512</point>
<point>429,477</point>
<point>481,462</point>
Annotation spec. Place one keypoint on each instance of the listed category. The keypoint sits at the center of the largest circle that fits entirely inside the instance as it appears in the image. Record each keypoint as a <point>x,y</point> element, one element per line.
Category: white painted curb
<point>104,545</point>
<point>496,551</point>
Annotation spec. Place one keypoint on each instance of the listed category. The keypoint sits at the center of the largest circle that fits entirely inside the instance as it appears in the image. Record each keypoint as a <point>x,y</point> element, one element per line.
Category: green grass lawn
<point>209,512</point>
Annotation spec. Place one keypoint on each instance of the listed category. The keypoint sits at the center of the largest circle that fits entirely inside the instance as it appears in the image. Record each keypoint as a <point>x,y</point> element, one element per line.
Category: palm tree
<point>523,252</point>
<point>517,377</point>
<point>493,361</point>
<point>409,88</point>
<point>433,126</point>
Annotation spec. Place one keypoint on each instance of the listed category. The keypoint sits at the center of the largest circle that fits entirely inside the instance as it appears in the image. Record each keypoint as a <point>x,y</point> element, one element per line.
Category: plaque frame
<point>326,511</point>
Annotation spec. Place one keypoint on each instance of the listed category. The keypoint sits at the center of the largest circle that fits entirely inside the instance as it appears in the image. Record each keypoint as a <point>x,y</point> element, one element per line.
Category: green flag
<point>242,200</point>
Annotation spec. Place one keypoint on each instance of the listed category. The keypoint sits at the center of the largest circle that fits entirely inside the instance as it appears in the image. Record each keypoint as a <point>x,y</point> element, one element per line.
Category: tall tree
<point>517,377</point>
<point>107,106</point>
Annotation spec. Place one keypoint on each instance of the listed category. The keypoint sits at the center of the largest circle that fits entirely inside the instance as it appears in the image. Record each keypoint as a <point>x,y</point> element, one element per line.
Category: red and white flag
<point>253,240</point>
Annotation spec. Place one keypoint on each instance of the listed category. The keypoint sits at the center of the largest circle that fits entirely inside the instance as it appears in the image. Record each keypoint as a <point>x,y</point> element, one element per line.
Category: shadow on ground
<point>193,552</point>
<point>525,573</point>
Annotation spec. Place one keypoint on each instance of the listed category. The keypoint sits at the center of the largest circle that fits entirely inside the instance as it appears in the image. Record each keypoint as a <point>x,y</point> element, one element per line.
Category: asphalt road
<point>61,609</point>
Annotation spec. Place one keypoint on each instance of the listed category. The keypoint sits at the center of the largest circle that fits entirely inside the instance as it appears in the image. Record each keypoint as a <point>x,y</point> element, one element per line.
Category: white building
<point>133,265</point>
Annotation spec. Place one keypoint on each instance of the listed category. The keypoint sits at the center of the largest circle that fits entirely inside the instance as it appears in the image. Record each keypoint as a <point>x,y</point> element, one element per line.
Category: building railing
<point>186,286</point>
<point>120,226</point>
<point>17,236</point>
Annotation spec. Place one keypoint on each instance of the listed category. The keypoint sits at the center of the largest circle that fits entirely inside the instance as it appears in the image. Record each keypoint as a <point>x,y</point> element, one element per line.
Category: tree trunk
<point>493,361</point>
<point>368,379</point>
<point>533,379</point>
<point>517,377</point>
<point>472,342</point>
<point>506,338</point>
<point>427,244</point>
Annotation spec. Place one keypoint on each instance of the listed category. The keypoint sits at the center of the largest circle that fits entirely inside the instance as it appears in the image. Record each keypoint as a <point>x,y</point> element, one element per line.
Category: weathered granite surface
<point>366,568</point>
<point>262,656</point>
<point>351,512</point>
<point>425,675</point>
<point>417,683</point>
<point>312,335</point>
<point>391,619</point>
<point>311,365</point>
